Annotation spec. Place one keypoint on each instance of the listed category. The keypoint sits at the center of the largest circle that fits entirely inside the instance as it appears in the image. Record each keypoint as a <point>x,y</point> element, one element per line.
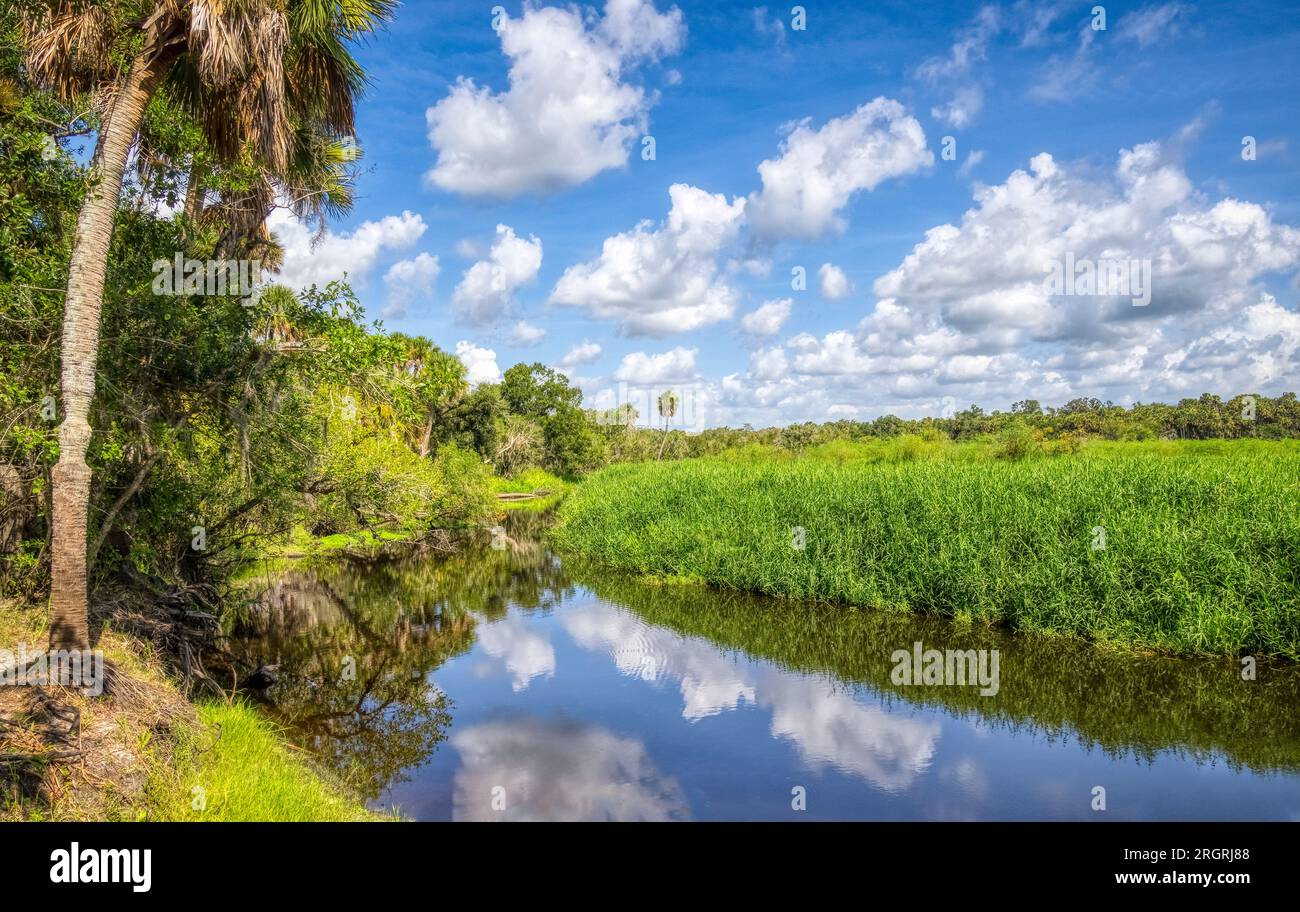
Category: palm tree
<point>315,184</point>
<point>249,72</point>
<point>438,381</point>
<point>668,401</point>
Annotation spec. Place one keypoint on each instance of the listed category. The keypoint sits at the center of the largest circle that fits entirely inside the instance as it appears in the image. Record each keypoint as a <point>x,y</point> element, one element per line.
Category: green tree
<point>475,421</point>
<point>537,391</point>
<point>668,401</point>
<point>250,71</point>
<point>573,445</point>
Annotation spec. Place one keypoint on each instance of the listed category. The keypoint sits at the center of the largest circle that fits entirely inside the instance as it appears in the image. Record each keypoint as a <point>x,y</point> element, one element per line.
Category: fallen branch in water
<point>534,495</point>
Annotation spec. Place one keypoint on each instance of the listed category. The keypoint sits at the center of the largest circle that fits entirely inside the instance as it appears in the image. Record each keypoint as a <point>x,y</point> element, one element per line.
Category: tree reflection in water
<point>355,643</point>
<point>395,622</point>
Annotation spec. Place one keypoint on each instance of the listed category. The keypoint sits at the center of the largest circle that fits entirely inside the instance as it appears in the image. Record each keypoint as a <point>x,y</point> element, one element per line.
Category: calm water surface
<point>449,686</point>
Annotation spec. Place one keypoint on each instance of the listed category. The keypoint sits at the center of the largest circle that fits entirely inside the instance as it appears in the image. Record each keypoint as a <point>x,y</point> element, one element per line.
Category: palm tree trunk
<point>194,195</point>
<point>427,436</point>
<point>69,615</point>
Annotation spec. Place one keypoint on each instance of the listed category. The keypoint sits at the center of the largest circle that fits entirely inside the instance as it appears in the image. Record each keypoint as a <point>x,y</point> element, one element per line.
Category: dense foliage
<point>220,422</point>
<point>1028,425</point>
<point>1180,547</point>
<point>219,419</point>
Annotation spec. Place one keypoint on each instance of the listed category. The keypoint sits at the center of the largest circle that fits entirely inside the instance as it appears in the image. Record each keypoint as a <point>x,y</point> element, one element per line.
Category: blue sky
<point>1119,145</point>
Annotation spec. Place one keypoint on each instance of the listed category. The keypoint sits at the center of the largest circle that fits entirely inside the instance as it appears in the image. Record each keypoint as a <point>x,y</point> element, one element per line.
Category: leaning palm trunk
<point>194,194</point>
<point>426,438</point>
<point>238,52</point>
<point>69,619</point>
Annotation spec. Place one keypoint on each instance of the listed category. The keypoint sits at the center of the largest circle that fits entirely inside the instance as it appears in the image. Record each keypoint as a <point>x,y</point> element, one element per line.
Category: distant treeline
<point>1203,418</point>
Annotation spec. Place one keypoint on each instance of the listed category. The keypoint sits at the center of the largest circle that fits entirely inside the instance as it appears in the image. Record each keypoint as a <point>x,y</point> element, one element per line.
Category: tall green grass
<point>529,481</point>
<point>1202,543</point>
<point>235,767</point>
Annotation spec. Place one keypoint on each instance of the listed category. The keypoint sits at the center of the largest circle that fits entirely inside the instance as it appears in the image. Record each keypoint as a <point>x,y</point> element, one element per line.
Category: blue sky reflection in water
<point>639,703</point>
<point>588,712</point>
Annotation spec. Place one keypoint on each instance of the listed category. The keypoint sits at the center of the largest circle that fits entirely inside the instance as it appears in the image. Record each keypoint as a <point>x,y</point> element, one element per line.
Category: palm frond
<point>67,44</point>
<point>349,18</point>
<point>319,181</point>
<point>324,80</point>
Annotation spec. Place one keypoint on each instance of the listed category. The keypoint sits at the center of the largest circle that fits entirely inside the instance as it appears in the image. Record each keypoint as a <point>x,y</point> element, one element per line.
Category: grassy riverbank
<point>246,771</point>
<point>148,753</point>
<point>532,490</point>
<point>1201,542</point>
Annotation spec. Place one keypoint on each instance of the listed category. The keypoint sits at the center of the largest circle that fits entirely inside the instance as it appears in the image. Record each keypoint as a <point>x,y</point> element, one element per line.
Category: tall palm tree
<point>668,402</point>
<point>438,379</point>
<point>442,384</point>
<point>249,71</point>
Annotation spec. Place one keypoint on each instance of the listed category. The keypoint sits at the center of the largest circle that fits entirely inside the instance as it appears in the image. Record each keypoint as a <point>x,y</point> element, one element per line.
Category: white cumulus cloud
<point>486,291</point>
<point>569,112</point>
<point>818,171</point>
<point>524,334</point>
<point>666,367</point>
<point>312,259</point>
<point>409,281</point>
<point>768,318</point>
<point>480,363</point>
<point>967,315</point>
<point>834,283</point>
<point>986,277</point>
<point>657,281</point>
<point>582,353</point>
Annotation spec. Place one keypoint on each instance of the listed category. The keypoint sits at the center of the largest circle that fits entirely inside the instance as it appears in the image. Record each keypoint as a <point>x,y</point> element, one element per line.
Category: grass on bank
<point>530,481</point>
<point>144,755</point>
<point>235,767</point>
<point>1201,543</point>
<point>1015,443</point>
<point>536,481</point>
<point>301,543</point>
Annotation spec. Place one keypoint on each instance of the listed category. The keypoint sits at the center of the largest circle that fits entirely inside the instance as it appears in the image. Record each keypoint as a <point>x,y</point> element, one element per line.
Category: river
<point>508,683</point>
